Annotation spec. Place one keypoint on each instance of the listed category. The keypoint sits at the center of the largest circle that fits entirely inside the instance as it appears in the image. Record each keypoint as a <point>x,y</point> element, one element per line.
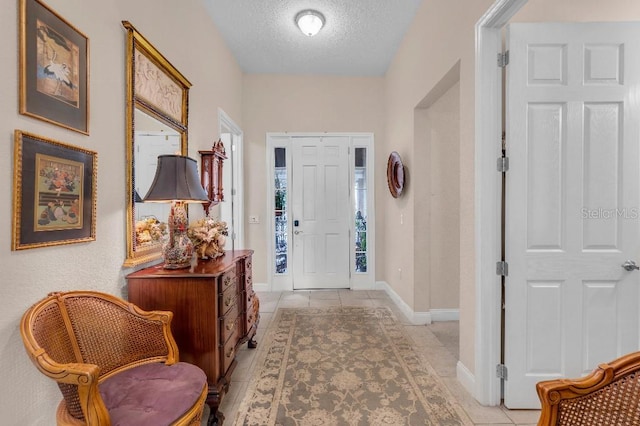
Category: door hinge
<point>501,372</point>
<point>502,268</point>
<point>503,164</point>
<point>503,59</point>
<point>233,191</point>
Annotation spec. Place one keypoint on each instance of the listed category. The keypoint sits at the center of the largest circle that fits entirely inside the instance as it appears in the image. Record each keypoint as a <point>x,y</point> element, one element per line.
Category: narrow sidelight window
<point>280,210</point>
<point>360,209</point>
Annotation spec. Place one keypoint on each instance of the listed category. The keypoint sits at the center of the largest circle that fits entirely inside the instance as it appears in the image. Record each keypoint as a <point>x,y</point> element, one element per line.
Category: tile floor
<point>439,341</point>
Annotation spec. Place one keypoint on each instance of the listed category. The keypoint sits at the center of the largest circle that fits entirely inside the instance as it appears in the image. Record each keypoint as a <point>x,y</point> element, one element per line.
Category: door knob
<point>630,265</point>
<point>300,232</point>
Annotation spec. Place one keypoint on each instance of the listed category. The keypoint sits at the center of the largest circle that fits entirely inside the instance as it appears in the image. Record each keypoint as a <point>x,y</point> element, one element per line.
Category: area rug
<point>344,366</point>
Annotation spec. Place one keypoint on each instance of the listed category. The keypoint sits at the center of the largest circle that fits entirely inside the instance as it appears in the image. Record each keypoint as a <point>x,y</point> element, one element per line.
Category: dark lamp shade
<point>176,180</point>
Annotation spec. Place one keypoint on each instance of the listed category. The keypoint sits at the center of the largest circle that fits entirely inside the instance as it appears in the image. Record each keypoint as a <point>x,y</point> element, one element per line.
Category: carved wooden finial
<point>218,149</point>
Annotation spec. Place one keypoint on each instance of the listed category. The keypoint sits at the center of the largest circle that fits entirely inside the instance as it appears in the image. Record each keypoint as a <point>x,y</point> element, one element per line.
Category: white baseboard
<point>283,286</point>
<point>418,318</point>
<point>362,286</point>
<point>261,287</point>
<point>466,378</point>
<point>445,315</point>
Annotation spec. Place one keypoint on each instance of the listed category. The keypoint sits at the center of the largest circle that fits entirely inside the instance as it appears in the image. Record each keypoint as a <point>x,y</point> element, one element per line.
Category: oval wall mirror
<point>157,116</point>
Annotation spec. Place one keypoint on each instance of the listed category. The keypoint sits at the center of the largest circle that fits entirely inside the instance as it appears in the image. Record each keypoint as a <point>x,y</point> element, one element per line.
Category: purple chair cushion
<point>152,394</point>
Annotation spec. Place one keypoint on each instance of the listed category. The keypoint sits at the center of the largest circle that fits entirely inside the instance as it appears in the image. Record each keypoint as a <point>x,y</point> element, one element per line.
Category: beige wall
<point>185,35</point>
<point>441,35</point>
<point>444,122</point>
<point>436,187</point>
<point>285,103</point>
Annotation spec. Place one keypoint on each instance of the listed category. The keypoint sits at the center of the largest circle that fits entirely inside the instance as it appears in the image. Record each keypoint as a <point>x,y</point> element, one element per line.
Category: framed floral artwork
<point>54,68</point>
<point>54,193</point>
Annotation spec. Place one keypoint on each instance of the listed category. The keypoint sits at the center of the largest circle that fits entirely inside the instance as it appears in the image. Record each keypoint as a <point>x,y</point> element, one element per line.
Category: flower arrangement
<point>150,230</point>
<point>208,236</point>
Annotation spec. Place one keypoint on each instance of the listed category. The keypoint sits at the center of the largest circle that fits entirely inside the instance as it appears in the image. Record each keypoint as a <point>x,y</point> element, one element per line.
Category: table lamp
<point>177,182</point>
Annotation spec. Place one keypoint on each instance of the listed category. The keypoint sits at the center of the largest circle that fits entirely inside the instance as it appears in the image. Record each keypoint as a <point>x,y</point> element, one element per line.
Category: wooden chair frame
<point>86,377</point>
<point>555,393</point>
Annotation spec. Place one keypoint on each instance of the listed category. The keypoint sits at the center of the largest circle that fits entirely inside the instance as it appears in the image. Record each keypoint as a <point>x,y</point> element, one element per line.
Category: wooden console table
<point>215,310</point>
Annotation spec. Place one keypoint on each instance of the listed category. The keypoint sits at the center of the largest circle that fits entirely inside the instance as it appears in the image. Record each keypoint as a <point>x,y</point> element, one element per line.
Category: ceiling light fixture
<point>310,22</point>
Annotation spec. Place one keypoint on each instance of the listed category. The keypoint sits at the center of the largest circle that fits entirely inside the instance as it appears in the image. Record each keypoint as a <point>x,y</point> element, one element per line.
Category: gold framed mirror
<point>157,115</point>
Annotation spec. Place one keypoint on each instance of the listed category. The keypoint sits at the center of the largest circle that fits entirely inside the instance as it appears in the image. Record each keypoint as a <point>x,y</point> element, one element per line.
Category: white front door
<point>320,212</point>
<point>573,115</point>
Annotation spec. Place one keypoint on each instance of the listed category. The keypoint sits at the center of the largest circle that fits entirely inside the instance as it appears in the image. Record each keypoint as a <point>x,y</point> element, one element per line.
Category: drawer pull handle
<point>227,281</point>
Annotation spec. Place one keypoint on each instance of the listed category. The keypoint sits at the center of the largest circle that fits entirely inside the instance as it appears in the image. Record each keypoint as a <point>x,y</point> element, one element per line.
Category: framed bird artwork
<point>54,68</point>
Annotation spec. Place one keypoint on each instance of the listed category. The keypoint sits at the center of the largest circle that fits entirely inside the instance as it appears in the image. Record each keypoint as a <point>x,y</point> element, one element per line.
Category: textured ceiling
<point>360,37</point>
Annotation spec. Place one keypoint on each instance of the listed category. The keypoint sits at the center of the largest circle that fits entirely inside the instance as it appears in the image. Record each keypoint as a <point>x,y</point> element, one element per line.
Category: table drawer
<point>228,280</point>
<point>228,299</point>
<point>228,354</point>
<point>229,323</point>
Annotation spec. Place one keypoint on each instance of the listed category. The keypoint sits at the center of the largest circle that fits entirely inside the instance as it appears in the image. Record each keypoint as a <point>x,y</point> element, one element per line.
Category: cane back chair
<point>609,396</point>
<point>114,363</point>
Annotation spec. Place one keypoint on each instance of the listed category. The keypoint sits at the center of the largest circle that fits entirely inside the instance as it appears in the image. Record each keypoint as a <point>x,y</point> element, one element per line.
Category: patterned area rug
<point>344,366</point>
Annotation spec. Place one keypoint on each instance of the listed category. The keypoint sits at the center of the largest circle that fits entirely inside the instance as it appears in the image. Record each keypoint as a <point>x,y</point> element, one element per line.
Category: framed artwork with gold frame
<point>54,192</point>
<point>54,68</point>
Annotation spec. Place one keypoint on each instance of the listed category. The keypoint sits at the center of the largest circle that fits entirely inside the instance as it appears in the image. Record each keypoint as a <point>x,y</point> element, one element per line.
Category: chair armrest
<point>84,376</point>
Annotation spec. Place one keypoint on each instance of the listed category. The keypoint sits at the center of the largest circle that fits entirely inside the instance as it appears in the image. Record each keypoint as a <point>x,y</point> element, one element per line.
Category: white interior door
<point>320,207</point>
<point>232,208</point>
<point>226,207</point>
<point>572,201</point>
